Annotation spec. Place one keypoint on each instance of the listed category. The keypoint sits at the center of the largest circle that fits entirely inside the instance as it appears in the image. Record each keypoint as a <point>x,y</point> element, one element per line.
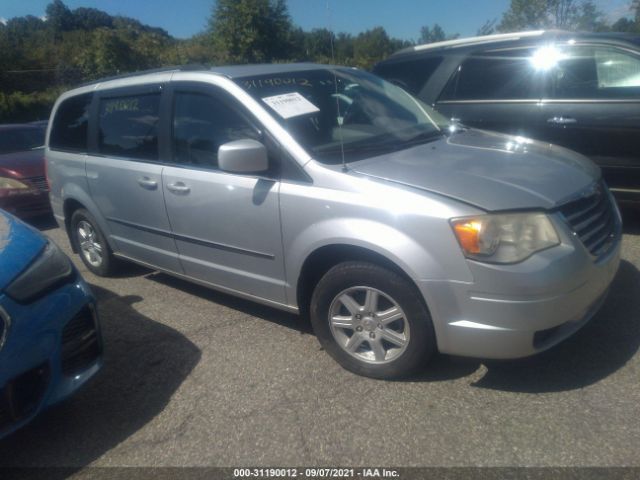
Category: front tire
<point>372,321</point>
<point>91,244</point>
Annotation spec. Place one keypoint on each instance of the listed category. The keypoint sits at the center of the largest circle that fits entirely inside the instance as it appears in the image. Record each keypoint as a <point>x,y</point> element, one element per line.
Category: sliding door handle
<point>179,188</point>
<point>146,182</point>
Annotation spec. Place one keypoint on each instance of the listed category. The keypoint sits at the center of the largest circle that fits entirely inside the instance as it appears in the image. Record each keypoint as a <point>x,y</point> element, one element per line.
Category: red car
<point>23,185</point>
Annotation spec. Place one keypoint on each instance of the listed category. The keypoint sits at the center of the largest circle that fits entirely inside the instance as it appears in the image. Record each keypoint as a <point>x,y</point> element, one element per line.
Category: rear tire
<point>91,244</point>
<point>372,321</point>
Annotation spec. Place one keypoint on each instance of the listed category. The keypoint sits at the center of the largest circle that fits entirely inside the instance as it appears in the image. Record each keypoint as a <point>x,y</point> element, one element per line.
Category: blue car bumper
<point>52,347</point>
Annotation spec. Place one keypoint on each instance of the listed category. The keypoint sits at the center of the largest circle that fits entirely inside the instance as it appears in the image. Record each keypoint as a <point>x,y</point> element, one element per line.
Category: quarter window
<point>497,75</point>
<point>69,130</point>
<point>596,72</point>
<point>201,123</point>
<point>128,126</point>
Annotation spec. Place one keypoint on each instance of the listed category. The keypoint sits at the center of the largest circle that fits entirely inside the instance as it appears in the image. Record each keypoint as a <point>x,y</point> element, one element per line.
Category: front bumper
<point>52,347</point>
<point>512,311</point>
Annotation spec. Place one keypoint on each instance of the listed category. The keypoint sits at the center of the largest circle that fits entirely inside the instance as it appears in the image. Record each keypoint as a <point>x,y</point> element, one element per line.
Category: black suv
<point>578,90</point>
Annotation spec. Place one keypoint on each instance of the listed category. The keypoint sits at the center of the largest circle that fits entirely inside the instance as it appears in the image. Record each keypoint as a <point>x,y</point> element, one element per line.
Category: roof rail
<point>473,41</point>
<point>175,68</point>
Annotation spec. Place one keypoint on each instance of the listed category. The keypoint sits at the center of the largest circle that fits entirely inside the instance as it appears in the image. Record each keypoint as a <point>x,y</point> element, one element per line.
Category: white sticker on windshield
<point>290,105</point>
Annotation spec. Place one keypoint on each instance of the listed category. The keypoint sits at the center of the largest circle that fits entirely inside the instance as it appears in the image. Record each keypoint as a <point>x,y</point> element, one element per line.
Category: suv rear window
<point>69,130</point>
<point>596,72</point>
<point>128,126</point>
<point>20,139</point>
<point>495,75</point>
<point>410,75</point>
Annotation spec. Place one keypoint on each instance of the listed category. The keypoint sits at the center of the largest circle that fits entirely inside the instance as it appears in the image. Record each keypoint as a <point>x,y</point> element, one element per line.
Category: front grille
<point>593,219</point>
<point>80,342</point>
<point>39,182</point>
<point>22,395</point>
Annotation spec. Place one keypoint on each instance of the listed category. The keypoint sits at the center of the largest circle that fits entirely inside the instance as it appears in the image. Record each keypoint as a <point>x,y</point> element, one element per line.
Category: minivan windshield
<point>336,112</point>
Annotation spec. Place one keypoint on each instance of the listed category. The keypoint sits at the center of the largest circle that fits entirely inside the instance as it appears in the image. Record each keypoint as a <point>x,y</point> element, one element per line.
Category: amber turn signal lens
<point>468,233</point>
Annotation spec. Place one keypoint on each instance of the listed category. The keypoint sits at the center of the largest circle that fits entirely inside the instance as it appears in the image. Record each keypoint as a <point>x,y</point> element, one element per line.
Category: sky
<point>400,18</point>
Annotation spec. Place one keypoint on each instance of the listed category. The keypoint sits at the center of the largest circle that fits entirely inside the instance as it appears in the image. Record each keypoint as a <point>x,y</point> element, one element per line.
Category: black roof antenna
<point>335,83</point>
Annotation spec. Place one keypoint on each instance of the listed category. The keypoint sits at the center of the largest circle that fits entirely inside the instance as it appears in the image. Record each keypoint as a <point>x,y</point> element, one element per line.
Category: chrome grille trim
<point>592,218</point>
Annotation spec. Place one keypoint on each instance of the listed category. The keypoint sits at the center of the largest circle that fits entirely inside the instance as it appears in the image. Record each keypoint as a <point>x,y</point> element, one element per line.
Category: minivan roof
<point>230,71</point>
<point>515,37</point>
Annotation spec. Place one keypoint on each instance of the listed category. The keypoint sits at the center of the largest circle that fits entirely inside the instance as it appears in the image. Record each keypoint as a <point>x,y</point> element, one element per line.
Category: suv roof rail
<point>175,68</point>
<point>498,37</point>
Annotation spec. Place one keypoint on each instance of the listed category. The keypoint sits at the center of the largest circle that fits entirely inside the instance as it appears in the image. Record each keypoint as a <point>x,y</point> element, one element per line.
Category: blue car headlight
<point>51,268</point>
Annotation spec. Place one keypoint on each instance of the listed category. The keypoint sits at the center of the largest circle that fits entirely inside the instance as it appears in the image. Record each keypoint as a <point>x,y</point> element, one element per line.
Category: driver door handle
<point>561,120</point>
<point>146,182</point>
<point>178,188</point>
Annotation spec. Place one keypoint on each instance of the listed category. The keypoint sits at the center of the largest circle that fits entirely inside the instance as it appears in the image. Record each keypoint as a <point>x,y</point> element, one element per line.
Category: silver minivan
<point>330,192</point>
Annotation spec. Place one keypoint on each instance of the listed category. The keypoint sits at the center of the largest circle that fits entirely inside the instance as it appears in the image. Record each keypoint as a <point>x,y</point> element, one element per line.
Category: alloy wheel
<point>89,243</point>
<point>369,325</point>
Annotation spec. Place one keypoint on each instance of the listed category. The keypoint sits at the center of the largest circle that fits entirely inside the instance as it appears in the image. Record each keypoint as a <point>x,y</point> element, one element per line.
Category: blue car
<point>50,342</point>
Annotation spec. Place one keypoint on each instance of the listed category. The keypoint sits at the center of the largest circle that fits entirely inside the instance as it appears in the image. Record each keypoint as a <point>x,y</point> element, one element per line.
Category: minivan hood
<point>489,170</point>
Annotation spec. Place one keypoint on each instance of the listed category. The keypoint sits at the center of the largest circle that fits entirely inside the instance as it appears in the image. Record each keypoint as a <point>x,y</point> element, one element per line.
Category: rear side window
<point>128,126</point>
<point>497,75</point>
<point>595,72</point>
<point>69,129</point>
<point>410,75</point>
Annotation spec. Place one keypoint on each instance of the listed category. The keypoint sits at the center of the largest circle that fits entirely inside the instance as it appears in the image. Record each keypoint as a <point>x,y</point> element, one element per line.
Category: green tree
<point>343,48</point>
<point>107,54</point>
<point>487,28</point>
<point>59,17</point>
<point>317,45</point>
<point>249,31</point>
<point>91,18</point>
<point>543,14</point>
<point>525,14</point>
<point>589,18</point>
<point>626,24</point>
<point>432,34</point>
<point>371,46</point>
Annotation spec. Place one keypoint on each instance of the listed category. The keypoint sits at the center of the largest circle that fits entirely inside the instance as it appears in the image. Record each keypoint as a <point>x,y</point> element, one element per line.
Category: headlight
<point>11,186</point>
<point>48,270</point>
<point>504,238</point>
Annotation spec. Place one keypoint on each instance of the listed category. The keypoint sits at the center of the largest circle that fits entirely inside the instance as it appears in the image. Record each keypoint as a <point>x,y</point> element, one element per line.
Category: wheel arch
<point>75,199</point>
<point>325,257</point>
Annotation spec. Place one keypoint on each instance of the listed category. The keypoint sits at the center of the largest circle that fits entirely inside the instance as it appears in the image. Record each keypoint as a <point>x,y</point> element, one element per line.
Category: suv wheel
<point>372,321</point>
<point>91,244</point>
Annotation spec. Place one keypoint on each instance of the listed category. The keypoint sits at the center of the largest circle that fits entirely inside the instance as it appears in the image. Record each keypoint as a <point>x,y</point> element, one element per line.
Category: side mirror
<point>243,156</point>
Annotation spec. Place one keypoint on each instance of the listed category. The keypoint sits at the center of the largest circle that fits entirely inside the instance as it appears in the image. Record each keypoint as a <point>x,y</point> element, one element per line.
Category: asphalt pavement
<point>197,378</point>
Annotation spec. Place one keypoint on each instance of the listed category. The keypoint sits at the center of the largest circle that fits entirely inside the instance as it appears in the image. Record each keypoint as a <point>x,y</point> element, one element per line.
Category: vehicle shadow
<point>43,222</point>
<point>280,317</point>
<point>631,220</point>
<point>145,363</point>
<point>599,349</point>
